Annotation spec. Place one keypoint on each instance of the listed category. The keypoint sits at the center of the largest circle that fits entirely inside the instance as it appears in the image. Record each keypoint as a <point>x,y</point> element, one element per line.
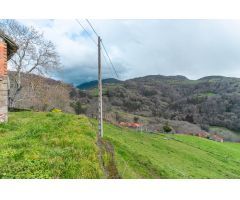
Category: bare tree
<point>35,54</point>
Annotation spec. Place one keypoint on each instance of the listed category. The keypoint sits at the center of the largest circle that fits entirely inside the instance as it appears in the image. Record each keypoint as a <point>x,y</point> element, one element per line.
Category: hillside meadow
<point>48,145</point>
<point>146,155</point>
<point>57,145</point>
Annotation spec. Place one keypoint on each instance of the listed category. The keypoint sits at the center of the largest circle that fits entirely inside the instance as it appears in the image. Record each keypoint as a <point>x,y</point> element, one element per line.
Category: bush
<point>167,128</point>
<point>135,119</point>
<point>55,110</point>
<point>204,127</point>
<point>79,109</point>
<point>117,117</point>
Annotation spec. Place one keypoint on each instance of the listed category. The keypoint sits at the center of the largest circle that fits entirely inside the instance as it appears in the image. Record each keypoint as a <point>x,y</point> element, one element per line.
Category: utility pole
<point>100,113</point>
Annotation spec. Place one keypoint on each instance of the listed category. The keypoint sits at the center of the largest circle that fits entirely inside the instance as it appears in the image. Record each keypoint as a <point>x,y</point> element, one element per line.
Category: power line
<point>92,27</point>
<point>100,110</point>
<point>105,59</point>
<point>86,31</point>
<point>110,60</point>
<point>112,65</point>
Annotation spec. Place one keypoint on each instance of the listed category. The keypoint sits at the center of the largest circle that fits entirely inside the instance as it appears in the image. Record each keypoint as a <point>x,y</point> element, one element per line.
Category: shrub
<point>117,117</point>
<point>55,110</point>
<point>79,109</point>
<point>204,127</point>
<point>136,119</point>
<point>167,128</point>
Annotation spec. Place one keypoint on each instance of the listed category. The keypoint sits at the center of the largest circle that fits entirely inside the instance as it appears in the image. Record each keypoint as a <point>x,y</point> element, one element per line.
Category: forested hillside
<point>187,105</point>
<point>207,101</point>
<point>204,103</point>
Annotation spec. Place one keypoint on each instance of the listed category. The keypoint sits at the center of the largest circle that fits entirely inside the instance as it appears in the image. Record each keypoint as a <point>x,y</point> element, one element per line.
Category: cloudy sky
<point>193,48</point>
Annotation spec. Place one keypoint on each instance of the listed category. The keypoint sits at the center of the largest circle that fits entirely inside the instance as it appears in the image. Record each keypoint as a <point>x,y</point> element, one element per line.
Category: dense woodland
<point>207,101</point>
<point>212,100</point>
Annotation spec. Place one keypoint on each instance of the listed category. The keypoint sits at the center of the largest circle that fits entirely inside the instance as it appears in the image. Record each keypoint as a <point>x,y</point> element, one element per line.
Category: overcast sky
<point>193,48</point>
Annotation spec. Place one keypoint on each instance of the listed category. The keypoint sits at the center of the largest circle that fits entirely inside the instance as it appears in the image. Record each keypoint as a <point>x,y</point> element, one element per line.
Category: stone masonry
<point>3,82</point>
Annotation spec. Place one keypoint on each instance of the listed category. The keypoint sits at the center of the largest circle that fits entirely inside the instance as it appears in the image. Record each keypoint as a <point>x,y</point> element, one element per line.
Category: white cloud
<point>193,48</point>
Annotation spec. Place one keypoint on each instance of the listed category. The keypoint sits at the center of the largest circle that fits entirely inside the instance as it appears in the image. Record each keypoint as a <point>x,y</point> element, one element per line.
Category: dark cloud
<point>193,48</point>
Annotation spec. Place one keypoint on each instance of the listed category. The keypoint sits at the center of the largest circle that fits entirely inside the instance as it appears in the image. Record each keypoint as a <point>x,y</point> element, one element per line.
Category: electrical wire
<point>92,27</point>
<point>114,69</point>
<point>104,48</point>
<point>86,31</point>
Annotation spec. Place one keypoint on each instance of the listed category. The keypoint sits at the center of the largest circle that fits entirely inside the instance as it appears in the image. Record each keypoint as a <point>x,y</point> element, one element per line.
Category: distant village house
<point>202,134</point>
<point>130,125</point>
<point>216,138</point>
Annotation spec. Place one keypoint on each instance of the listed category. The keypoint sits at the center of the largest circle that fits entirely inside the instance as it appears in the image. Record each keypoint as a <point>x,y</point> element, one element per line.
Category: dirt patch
<point>107,158</point>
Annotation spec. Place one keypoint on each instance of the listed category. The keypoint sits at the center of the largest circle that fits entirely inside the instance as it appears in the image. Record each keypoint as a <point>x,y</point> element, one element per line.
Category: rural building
<point>7,49</point>
<point>130,125</point>
<point>202,134</point>
<point>217,138</point>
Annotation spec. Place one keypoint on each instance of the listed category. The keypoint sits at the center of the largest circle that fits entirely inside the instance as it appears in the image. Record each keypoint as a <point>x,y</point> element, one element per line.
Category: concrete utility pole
<point>100,113</point>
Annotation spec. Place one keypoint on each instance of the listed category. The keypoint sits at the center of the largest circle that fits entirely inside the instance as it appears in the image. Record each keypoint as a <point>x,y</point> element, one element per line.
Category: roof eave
<point>12,47</point>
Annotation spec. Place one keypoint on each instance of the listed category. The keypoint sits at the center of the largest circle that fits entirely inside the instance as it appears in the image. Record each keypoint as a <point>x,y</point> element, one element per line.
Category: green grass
<point>48,145</point>
<point>142,155</point>
<point>110,86</point>
<point>205,94</point>
<point>94,91</point>
<point>57,145</point>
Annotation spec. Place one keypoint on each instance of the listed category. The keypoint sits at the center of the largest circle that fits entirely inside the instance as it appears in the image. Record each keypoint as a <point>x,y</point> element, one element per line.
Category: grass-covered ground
<point>56,145</point>
<point>142,155</point>
<point>48,145</point>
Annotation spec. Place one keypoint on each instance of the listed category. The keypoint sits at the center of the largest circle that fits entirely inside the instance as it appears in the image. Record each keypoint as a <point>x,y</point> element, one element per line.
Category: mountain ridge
<point>94,83</point>
<point>90,84</point>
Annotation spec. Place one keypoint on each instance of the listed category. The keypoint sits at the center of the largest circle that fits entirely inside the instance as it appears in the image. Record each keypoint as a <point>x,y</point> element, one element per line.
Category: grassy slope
<point>52,145</point>
<point>141,155</point>
<point>48,145</point>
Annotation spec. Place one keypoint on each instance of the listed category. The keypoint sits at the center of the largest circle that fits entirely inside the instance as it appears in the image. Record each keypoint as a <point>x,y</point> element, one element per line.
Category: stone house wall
<point>3,82</point>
